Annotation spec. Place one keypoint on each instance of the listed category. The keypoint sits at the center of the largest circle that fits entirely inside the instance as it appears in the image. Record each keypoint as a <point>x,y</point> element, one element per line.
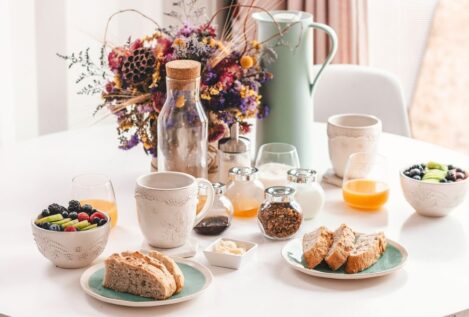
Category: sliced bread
<point>342,245</point>
<point>172,267</point>
<point>368,249</point>
<point>316,244</point>
<point>138,274</point>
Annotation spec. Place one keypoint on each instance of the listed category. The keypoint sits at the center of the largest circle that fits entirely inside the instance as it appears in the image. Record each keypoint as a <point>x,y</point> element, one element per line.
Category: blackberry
<point>74,205</point>
<point>55,209</point>
<point>45,213</point>
<point>87,208</point>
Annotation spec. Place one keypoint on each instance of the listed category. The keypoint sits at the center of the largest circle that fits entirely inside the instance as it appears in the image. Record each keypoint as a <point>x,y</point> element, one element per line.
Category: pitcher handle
<point>333,37</point>
<point>208,203</point>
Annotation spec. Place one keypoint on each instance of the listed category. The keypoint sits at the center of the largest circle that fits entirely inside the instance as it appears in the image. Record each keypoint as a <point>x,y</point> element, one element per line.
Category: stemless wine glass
<point>97,191</point>
<point>365,181</point>
<point>274,160</point>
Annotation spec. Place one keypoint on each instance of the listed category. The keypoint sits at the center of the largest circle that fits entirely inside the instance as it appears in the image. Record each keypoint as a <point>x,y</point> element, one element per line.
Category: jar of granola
<point>279,216</point>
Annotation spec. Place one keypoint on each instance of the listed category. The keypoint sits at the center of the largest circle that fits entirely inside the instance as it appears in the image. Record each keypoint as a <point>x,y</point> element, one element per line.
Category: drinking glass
<point>365,181</point>
<point>97,191</point>
<point>274,160</point>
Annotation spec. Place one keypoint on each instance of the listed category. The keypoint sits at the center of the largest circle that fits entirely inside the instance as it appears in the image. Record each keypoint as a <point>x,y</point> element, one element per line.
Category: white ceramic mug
<point>351,133</point>
<point>166,207</point>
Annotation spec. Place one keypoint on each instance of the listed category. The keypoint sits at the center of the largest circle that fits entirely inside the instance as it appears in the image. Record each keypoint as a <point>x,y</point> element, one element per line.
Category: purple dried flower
<point>130,143</point>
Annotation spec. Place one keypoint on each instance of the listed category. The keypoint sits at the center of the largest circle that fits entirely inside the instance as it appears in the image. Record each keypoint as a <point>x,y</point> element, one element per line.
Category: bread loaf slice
<point>342,245</point>
<point>316,244</point>
<point>172,267</point>
<point>138,274</point>
<point>368,249</point>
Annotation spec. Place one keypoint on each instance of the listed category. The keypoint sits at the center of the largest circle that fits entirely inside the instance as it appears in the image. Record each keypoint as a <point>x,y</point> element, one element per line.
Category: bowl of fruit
<point>434,189</point>
<point>71,237</point>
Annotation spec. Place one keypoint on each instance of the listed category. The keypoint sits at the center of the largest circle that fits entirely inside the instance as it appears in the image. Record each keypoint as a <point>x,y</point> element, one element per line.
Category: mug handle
<point>333,37</point>
<point>208,203</point>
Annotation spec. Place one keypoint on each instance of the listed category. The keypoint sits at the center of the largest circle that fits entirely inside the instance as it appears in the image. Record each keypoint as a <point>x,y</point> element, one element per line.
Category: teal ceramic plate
<point>392,260</point>
<point>196,280</point>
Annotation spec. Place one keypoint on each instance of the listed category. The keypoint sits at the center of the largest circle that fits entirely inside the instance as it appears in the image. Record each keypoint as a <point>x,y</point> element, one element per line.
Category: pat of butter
<point>228,247</point>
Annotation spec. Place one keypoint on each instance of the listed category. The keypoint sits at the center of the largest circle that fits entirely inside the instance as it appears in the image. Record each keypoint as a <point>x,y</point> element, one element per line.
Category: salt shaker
<point>232,152</point>
<point>309,194</point>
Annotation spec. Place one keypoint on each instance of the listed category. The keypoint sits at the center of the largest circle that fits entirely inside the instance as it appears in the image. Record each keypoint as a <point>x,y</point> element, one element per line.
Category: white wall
<point>398,31</point>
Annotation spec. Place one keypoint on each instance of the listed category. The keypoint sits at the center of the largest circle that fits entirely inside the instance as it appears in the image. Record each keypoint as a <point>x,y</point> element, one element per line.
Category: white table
<point>434,282</point>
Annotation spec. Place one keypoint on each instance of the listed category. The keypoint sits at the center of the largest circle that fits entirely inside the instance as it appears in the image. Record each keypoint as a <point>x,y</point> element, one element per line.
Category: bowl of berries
<point>71,237</point>
<point>434,189</point>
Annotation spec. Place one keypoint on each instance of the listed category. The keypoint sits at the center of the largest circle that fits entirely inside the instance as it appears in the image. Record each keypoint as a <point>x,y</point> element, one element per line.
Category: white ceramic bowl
<point>71,250</point>
<point>229,260</point>
<point>433,199</point>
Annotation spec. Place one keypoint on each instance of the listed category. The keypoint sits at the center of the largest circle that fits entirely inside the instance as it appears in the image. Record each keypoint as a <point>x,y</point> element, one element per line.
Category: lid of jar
<point>219,188</point>
<point>235,143</point>
<point>243,173</point>
<point>183,69</point>
<point>280,193</point>
<point>301,175</point>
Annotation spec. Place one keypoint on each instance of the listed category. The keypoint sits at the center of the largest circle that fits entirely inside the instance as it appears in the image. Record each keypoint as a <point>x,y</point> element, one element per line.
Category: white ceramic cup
<point>166,207</point>
<point>351,133</point>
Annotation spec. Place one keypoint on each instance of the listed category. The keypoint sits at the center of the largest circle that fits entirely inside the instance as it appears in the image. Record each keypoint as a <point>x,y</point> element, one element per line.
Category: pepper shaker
<point>232,152</point>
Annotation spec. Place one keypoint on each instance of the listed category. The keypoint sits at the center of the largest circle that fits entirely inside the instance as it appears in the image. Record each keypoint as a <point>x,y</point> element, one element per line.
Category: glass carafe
<point>182,123</point>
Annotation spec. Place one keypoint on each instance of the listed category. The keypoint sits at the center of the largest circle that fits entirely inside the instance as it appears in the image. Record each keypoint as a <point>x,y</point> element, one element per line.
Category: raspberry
<point>70,229</point>
<point>83,216</point>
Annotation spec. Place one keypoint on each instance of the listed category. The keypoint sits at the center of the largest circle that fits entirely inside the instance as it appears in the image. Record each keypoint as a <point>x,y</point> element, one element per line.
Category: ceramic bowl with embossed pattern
<point>71,250</point>
<point>433,199</point>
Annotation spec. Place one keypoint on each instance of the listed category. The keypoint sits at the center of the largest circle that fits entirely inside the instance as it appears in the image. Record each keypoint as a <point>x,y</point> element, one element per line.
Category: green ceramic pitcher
<point>290,93</point>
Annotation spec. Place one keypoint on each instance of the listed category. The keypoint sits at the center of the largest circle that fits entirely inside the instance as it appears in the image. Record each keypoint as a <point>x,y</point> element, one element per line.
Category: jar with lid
<point>182,124</point>
<point>309,194</point>
<point>219,216</point>
<point>279,216</point>
<point>245,191</point>
<point>232,152</point>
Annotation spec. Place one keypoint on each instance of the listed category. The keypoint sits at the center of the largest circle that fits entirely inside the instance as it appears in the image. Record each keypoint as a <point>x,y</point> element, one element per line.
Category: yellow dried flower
<point>117,81</point>
<point>214,91</point>
<point>179,42</point>
<point>205,95</point>
<point>256,45</point>
<point>246,61</point>
<point>180,101</point>
<point>212,42</point>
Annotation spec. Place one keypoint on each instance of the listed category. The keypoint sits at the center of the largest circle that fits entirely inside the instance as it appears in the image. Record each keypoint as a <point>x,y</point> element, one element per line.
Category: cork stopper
<point>184,69</point>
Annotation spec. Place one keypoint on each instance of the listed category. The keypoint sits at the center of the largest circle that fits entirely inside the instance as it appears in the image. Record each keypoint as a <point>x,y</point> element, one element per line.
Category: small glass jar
<point>279,216</point>
<point>201,197</point>
<point>309,194</point>
<point>245,191</point>
<point>219,216</point>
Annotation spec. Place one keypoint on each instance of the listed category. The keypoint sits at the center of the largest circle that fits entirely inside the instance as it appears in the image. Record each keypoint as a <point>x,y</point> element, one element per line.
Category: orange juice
<point>365,193</point>
<point>200,203</point>
<point>245,208</point>
<point>106,206</point>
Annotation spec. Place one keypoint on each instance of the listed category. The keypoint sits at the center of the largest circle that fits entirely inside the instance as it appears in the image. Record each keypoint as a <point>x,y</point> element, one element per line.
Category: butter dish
<point>232,261</point>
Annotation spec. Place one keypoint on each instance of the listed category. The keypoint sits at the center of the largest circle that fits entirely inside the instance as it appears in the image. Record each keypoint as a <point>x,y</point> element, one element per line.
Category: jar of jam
<point>219,216</point>
<point>279,216</point>
<point>245,191</point>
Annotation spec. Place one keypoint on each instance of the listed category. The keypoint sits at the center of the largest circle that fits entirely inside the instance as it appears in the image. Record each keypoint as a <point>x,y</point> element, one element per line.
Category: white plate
<point>392,260</point>
<point>197,279</point>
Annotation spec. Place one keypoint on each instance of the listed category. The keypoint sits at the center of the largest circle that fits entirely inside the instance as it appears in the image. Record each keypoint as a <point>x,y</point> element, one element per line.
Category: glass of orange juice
<point>96,190</point>
<point>365,181</point>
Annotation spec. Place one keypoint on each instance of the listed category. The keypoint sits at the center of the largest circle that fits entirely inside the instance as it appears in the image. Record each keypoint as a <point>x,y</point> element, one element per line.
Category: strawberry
<point>97,215</point>
<point>83,216</point>
<point>70,229</point>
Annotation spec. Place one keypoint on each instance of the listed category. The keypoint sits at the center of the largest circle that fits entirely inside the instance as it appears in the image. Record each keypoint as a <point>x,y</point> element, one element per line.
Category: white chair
<point>359,89</point>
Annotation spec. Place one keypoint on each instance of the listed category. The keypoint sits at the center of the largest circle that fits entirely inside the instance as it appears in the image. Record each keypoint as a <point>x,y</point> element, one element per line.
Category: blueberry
<point>45,213</point>
<point>414,172</point>
<point>415,166</point>
<point>73,215</point>
<point>423,166</point>
<point>407,173</point>
<point>95,220</point>
<point>450,167</point>
<point>55,227</point>
<point>102,222</point>
<point>87,208</point>
<point>444,180</point>
<point>417,177</point>
<point>46,225</point>
<point>65,214</point>
<point>92,211</point>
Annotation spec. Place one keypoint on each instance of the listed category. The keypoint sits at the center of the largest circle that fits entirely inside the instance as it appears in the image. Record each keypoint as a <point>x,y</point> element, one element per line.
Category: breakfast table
<point>35,173</point>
